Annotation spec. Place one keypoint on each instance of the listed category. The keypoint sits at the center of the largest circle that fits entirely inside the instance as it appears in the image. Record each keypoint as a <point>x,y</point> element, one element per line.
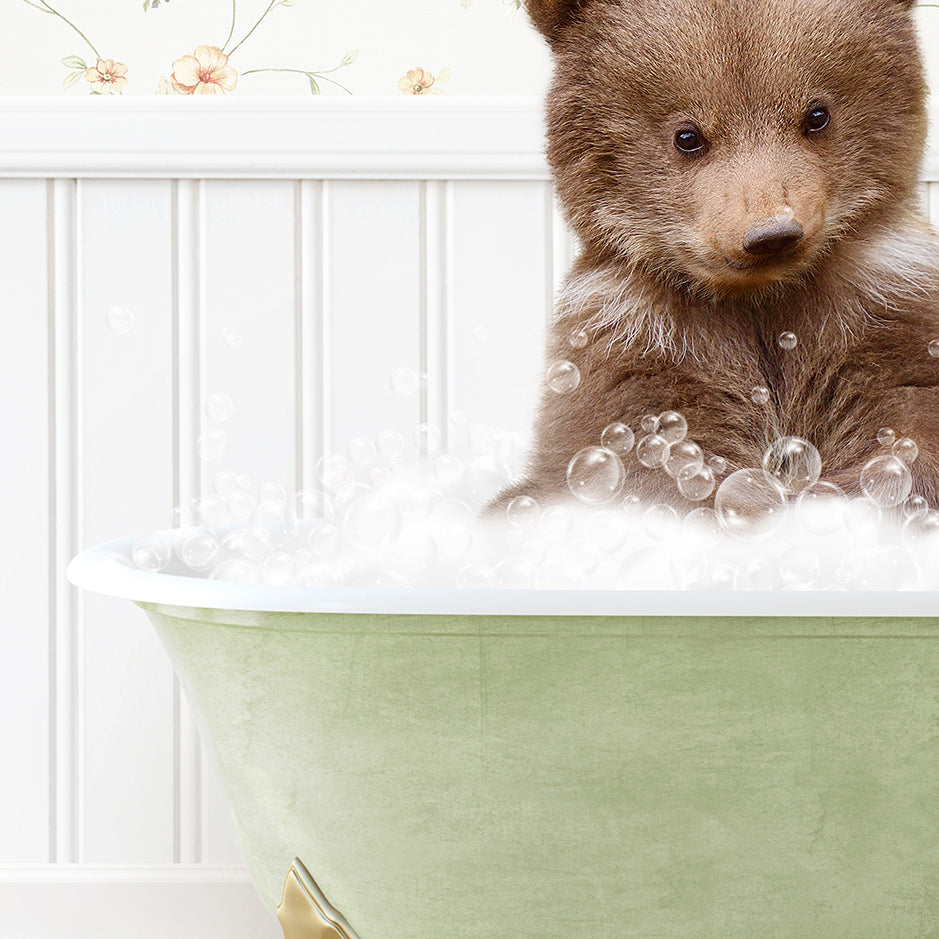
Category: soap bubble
<point>320,575</point>
<point>333,471</point>
<point>652,451</point>
<point>760,394</point>
<point>755,574</point>
<point>579,338</point>
<point>480,333</point>
<point>683,455</point>
<point>696,482</point>
<point>557,522</point>
<point>309,504</point>
<point>485,476</point>
<point>906,450</point>
<point>198,548</point>
<point>861,517</point>
<point>792,463</point>
<point>649,423</point>
<point>718,464</point>
<point>278,568</point>
<point>427,437</point>
<point>482,438</point>
<point>371,521</point>
<point>390,444</point>
<point>672,426</point>
<point>362,451</point>
<point>749,505</point>
<point>236,570</point>
<point>619,438</point>
<point>892,567</point>
<point>516,573</point>
<point>788,341</point>
<point>563,377</point>
<point>702,526</point>
<point>214,511</point>
<point>447,469</point>
<point>218,408</point>
<point>821,508</point>
<point>523,512</point>
<point>232,338</point>
<point>411,556</point>
<point>922,530</point>
<point>225,483</point>
<point>271,492</point>
<point>915,507</point>
<point>255,543</point>
<point>270,510</point>
<point>886,436</point>
<point>555,575</point>
<point>475,576</point>
<point>422,500</point>
<point>659,521</point>
<point>324,539</point>
<point>119,320</point>
<point>886,481</point>
<point>799,567</point>
<point>934,348</point>
<point>607,530</point>
<point>212,445</point>
<point>242,506</point>
<point>181,516</point>
<point>404,381</point>
<point>595,475</point>
<point>152,552</point>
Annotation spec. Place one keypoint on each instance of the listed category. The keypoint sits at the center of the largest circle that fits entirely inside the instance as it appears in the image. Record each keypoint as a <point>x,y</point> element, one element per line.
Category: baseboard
<point>132,902</point>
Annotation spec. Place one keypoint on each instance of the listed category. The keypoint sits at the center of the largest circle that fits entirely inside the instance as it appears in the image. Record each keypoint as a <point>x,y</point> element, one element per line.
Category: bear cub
<point>742,176</point>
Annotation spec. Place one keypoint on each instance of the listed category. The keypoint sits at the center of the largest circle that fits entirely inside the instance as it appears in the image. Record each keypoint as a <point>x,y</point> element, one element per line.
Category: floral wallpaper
<point>223,47</point>
<point>263,47</point>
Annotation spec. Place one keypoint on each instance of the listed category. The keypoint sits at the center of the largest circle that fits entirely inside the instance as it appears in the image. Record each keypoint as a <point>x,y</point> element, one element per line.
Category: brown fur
<point>679,317</point>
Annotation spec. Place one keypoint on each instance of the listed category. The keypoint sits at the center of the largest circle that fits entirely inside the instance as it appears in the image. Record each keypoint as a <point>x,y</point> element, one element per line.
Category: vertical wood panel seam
<point>52,509</point>
<point>310,354</point>
<point>77,535</point>
<point>324,260</point>
<point>65,726</point>
<point>435,213</point>
<point>188,266</point>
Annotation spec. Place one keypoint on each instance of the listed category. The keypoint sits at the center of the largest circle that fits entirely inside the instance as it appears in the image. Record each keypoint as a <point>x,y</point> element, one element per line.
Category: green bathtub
<point>575,765</point>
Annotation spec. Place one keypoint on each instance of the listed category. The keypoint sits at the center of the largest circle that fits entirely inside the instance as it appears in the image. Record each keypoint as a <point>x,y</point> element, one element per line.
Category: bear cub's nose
<point>773,236</point>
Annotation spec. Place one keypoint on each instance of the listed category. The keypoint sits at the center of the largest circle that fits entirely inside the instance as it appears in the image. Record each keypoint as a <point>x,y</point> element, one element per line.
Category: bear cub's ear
<point>551,15</point>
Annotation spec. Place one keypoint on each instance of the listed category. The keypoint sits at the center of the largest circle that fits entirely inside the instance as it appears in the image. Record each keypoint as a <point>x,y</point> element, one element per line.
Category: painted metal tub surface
<point>528,774</point>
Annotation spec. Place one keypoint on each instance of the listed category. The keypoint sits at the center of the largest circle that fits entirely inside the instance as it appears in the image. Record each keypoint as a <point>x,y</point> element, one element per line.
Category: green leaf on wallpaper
<point>350,57</point>
<point>164,87</point>
<point>314,87</point>
<point>443,76</point>
<point>74,61</point>
<point>289,3</point>
<point>71,79</point>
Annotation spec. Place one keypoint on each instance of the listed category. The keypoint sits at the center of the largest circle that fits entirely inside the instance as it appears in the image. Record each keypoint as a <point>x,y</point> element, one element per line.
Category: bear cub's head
<point>726,146</point>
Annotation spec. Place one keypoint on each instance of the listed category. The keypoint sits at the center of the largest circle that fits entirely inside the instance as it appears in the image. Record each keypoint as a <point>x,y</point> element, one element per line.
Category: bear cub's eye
<point>690,140</point>
<point>816,119</point>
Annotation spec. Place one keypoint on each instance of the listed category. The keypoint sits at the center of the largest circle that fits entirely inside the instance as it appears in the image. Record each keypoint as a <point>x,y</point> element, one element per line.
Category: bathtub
<point>543,765</point>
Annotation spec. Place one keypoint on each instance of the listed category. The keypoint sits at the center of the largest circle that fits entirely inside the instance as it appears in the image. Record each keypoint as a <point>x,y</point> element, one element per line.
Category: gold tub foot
<point>304,912</point>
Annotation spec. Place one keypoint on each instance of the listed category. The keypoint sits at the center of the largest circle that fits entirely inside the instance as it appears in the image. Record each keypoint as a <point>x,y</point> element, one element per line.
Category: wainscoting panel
<point>331,270</point>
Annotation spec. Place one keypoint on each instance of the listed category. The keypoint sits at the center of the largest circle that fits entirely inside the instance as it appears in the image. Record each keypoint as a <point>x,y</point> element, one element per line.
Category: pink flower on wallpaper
<point>416,82</point>
<point>206,72</point>
<point>107,76</point>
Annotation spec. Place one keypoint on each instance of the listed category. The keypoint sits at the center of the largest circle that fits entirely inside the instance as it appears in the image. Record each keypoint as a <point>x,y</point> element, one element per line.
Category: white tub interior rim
<point>105,569</point>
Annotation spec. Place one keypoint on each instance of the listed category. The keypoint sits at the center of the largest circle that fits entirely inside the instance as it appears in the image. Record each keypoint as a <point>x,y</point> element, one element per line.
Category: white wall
<point>340,243</point>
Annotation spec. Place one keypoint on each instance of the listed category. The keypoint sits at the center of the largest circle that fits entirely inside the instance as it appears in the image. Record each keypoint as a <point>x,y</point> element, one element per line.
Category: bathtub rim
<point>104,569</point>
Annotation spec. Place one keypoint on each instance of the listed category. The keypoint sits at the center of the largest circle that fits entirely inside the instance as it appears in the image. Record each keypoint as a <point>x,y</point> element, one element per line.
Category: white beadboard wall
<point>339,240</point>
